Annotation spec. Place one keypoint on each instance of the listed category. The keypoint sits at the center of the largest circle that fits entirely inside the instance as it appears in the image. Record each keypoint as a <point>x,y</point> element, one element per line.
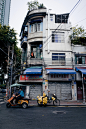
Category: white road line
<point>2,102</point>
<point>1,99</point>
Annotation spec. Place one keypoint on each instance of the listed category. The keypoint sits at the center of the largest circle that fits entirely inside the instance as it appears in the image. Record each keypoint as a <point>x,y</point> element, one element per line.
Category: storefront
<point>33,79</point>
<point>81,84</point>
<point>60,82</point>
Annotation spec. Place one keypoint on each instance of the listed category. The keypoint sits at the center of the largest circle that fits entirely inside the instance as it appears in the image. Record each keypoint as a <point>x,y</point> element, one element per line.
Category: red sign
<point>30,77</point>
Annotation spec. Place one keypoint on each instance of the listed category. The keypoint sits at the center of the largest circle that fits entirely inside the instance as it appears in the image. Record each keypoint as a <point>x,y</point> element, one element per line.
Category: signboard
<point>30,78</point>
<point>62,77</point>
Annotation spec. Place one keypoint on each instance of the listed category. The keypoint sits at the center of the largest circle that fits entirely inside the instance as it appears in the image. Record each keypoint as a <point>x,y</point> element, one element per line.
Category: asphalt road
<point>42,117</point>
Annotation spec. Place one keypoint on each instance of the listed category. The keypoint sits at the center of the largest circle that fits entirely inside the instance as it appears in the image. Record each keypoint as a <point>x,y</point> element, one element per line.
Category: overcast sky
<point>19,9</point>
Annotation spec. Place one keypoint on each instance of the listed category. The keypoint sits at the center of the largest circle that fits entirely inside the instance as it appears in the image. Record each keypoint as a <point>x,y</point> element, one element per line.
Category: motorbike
<point>43,100</point>
<point>22,102</point>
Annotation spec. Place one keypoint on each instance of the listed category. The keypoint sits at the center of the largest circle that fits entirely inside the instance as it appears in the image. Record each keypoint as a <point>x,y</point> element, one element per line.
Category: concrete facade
<point>55,53</point>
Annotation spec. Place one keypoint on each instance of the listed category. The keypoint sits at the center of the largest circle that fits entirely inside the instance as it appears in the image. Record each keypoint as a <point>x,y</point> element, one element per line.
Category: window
<point>36,27</point>
<point>58,37</point>
<point>63,18</point>
<point>80,59</point>
<point>36,52</point>
<point>32,28</point>
<point>58,58</point>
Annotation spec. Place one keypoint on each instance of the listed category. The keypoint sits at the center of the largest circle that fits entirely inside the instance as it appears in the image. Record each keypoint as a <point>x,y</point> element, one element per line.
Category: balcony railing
<point>34,61</point>
<point>36,58</point>
<point>24,40</point>
<point>67,62</point>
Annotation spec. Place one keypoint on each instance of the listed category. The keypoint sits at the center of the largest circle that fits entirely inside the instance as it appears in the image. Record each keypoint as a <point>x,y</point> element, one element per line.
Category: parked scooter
<point>43,100</point>
<point>22,102</point>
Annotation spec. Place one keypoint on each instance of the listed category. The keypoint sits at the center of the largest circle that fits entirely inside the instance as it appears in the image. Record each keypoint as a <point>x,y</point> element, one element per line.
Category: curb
<point>57,105</point>
<point>62,105</point>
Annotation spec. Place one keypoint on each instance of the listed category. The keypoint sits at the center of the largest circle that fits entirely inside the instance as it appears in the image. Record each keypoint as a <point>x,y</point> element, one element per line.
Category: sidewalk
<point>62,103</point>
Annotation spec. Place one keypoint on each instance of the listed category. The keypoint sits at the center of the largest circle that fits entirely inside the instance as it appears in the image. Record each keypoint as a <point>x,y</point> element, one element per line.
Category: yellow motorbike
<point>43,100</point>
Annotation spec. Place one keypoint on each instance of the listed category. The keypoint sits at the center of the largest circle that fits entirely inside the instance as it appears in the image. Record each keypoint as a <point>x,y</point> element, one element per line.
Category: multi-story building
<point>4,12</point>
<point>47,54</point>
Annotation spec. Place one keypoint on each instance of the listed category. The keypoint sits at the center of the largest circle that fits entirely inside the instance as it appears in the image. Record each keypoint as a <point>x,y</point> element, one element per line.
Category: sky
<point>19,9</point>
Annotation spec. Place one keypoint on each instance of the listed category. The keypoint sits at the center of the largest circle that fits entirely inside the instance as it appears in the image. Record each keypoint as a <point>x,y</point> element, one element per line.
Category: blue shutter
<point>41,26</point>
<point>30,29</point>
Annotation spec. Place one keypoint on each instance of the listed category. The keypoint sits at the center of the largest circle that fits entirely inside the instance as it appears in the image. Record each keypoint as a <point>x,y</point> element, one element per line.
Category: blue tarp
<point>60,71</point>
<point>33,71</point>
<point>81,70</point>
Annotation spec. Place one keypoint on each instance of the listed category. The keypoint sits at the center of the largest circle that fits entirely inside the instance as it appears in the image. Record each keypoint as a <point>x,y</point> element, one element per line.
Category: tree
<point>78,35</point>
<point>34,5</point>
<point>8,38</point>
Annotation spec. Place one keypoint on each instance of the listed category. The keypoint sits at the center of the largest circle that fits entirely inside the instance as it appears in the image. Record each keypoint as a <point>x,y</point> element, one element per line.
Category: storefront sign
<point>30,77</point>
<point>59,77</point>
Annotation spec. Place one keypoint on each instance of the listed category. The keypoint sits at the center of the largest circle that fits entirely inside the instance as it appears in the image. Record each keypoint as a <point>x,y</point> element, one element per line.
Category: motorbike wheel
<point>24,105</point>
<point>56,102</point>
<point>8,105</point>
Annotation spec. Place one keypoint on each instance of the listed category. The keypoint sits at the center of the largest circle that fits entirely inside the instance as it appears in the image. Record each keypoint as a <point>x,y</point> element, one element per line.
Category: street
<point>42,117</point>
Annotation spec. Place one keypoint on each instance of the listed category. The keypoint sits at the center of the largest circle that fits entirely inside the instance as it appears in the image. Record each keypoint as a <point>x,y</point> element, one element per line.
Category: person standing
<point>46,90</point>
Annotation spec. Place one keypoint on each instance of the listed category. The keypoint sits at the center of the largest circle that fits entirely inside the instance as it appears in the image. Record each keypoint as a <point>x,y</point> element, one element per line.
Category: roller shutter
<point>62,90</point>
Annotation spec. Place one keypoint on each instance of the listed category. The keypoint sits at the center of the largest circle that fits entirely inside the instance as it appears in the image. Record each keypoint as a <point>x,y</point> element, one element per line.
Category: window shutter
<point>30,29</point>
<point>41,26</point>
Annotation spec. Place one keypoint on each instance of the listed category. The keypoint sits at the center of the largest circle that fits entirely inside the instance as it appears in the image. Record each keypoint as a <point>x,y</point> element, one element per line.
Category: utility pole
<point>7,88</point>
<point>12,64</point>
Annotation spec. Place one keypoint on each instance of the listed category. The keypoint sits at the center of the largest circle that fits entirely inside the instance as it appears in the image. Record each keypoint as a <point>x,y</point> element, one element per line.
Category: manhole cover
<point>59,112</point>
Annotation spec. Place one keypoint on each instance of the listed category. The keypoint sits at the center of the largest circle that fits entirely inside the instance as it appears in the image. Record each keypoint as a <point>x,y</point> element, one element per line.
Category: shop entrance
<point>79,90</point>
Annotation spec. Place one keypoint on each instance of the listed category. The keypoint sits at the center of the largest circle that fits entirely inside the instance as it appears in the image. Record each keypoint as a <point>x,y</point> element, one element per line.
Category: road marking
<point>2,102</point>
<point>1,99</point>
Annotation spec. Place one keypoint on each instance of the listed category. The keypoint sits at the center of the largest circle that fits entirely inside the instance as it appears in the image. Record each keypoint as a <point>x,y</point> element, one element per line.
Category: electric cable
<point>72,10</point>
<point>61,23</point>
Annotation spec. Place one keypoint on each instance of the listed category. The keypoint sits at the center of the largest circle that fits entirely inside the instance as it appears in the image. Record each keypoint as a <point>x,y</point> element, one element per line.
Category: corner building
<point>47,54</point>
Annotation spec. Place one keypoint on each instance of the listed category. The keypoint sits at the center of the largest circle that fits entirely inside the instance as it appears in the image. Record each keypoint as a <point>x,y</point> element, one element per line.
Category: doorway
<point>79,90</point>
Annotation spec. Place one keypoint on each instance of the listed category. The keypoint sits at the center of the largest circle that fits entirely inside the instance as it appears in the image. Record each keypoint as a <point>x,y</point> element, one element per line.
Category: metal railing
<point>24,40</point>
<point>37,59</point>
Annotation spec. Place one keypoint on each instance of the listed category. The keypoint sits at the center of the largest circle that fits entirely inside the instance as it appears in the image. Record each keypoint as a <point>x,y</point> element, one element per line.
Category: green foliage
<point>7,35</point>
<point>34,5</point>
<point>7,38</point>
<point>78,35</point>
<point>41,6</point>
<point>18,56</point>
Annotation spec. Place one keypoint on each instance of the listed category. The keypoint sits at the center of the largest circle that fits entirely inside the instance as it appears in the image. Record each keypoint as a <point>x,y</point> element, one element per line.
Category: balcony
<point>33,62</point>
<point>67,63</point>
<point>24,42</point>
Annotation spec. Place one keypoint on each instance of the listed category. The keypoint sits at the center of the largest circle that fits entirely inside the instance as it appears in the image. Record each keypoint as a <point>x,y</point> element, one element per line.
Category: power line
<point>81,9</point>
<point>61,23</point>
<point>75,6</point>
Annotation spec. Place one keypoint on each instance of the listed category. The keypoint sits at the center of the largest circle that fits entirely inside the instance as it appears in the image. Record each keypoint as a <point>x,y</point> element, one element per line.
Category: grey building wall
<point>4,12</point>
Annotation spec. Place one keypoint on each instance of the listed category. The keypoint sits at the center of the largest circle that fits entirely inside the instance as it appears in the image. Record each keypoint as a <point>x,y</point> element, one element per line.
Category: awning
<point>82,70</point>
<point>60,71</point>
<point>33,71</point>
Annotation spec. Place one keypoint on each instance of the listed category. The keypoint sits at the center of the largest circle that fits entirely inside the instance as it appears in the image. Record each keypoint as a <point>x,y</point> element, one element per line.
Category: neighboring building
<point>80,67</point>
<point>47,54</point>
<point>4,12</point>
